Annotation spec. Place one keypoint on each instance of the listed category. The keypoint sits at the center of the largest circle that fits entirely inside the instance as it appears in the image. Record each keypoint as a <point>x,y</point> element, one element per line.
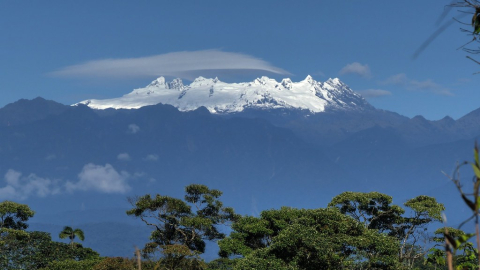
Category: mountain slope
<point>258,165</point>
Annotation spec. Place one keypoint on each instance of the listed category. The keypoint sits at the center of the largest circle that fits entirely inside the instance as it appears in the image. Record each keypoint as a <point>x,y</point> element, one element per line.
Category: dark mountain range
<point>79,165</point>
<point>27,111</point>
<point>332,127</point>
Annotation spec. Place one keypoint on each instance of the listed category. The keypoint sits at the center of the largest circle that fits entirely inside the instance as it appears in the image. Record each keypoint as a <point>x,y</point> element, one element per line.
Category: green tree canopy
<point>411,231</point>
<point>373,209</point>
<point>376,212</point>
<point>292,238</point>
<point>34,250</point>
<point>178,222</point>
<point>14,215</point>
<point>466,255</point>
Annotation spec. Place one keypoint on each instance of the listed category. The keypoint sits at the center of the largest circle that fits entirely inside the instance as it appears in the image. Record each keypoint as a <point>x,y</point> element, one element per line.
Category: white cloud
<point>397,79</point>
<point>373,93</point>
<point>51,157</point>
<point>464,80</point>
<point>92,177</point>
<point>357,68</point>
<point>133,128</point>
<point>151,157</point>
<point>21,187</point>
<point>414,85</point>
<point>138,175</point>
<point>100,178</point>
<point>9,193</point>
<point>318,73</point>
<point>186,64</point>
<point>123,157</point>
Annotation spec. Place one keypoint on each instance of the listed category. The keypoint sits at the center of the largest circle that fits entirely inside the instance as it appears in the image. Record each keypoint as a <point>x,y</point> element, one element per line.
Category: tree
<point>72,265</point>
<point>13,218</point>
<point>14,215</point>
<point>470,7</point>
<point>374,211</point>
<point>222,264</point>
<point>472,200</point>
<point>34,250</point>
<point>465,256</point>
<point>69,232</point>
<point>465,8</point>
<point>292,238</point>
<point>181,227</point>
<point>424,210</point>
<point>436,258</point>
<point>116,263</point>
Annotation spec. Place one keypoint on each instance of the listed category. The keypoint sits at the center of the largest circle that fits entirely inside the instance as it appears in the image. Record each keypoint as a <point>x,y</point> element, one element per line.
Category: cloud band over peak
<point>185,64</point>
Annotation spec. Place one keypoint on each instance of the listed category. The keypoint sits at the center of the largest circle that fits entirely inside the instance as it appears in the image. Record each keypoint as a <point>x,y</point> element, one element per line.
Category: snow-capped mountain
<point>221,97</point>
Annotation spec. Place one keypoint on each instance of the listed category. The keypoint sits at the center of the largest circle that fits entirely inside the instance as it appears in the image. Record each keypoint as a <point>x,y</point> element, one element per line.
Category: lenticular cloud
<point>176,64</point>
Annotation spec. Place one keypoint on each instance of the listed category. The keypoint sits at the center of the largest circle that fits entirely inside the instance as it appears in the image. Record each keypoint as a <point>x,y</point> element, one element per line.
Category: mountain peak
<point>159,82</point>
<point>176,84</point>
<point>309,79</point>
<point>264,80</point>
<point>219,97</point>
<point>199,79</point>
<point>202,82</point>
<point>26,111</point>
<point>335,81</point>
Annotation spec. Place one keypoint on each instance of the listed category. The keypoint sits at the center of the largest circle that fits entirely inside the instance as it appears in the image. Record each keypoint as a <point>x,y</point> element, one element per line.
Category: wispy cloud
<point>51,157</point>
<point>357,68</point>
<point>21,187</point>
<point>318,73</point>
<point>373,93</point>
<point>464,80</point>
<point>186,64</point>
<point>132,128</point>
<point>397,79</point>
<point>124,157</point>
<point>151,157</point>
<point>100,178</point>
<point>415,85</point>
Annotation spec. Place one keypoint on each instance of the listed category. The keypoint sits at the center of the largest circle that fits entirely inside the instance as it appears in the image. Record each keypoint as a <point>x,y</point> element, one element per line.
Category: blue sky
<point>367,44</point>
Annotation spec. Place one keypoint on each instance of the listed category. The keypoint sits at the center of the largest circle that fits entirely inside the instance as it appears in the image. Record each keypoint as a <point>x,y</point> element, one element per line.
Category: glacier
<point>221,97</point>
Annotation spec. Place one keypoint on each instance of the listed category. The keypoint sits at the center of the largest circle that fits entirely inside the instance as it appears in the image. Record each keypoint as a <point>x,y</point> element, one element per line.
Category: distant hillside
<point>61,159</point>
